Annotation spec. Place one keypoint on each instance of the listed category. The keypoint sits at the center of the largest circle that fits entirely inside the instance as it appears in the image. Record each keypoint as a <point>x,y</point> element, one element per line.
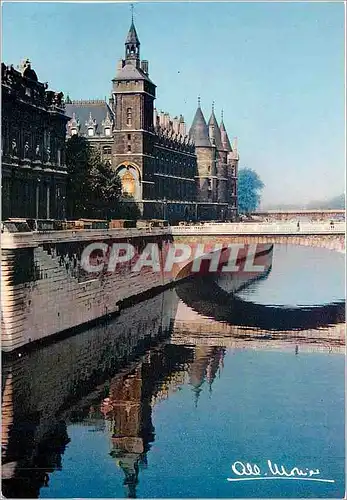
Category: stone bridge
<point>314,234</point>
<point>313,215</point>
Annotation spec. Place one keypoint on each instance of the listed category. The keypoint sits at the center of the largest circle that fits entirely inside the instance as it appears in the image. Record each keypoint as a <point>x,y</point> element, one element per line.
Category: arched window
<point>128,184</point>
<point>90,132</point>
<point>129,116</point>
<point>107,131</point>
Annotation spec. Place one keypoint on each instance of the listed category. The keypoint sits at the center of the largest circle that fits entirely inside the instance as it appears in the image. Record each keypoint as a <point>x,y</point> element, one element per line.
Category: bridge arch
<point>330,240</point>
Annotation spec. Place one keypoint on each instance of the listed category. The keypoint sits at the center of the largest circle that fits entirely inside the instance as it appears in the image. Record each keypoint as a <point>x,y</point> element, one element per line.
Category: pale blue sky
<point>277,70</point>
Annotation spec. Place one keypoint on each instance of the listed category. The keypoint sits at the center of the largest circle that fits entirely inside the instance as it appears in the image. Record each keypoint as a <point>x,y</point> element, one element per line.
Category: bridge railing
<point>262,228</point>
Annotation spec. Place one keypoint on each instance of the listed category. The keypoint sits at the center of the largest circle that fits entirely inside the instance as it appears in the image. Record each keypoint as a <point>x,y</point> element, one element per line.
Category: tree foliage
<point>248,190</point>
<point>93,189</point>
<point>128,208</point>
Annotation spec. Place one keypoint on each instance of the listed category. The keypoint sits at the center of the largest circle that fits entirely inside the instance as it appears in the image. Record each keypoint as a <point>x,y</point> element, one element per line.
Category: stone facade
<point>171,173</point>
<point>33,145</point>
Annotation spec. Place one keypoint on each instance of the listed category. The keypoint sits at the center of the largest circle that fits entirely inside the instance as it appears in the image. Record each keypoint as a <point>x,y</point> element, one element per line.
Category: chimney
<point>144,67</point>
<point>155,117</point>
<point>175,124</point>
<point>161,119</point>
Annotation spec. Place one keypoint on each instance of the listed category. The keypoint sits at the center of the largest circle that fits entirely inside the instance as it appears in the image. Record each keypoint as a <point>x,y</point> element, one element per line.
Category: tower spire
<point>132,13</point>
<point>132,43</point>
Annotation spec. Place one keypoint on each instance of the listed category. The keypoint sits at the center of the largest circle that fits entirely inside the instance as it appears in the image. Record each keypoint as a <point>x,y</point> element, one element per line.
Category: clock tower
<point>133,94</point>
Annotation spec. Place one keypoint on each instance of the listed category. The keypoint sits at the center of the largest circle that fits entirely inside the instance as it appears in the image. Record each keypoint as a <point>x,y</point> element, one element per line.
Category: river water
<point>180,392</point>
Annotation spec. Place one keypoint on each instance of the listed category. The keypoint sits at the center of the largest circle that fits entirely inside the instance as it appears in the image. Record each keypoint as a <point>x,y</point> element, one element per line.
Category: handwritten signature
<point>251,472</point>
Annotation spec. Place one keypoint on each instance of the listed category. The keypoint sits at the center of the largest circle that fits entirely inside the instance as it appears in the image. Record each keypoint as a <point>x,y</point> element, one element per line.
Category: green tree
<point>128,208</point>
<point>93,189</point>
<point>77,163</point>
<point>248,190</point>
<point>104,188</point>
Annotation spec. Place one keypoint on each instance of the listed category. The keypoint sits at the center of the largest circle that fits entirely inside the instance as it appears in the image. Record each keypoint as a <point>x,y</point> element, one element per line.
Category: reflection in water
<point>207,298</point>
<point>128,407</point>
<point>159,402</point>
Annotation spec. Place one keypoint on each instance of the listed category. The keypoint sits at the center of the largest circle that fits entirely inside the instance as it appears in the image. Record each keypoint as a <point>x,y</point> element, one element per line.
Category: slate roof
<point>225,138</point>
<point>131,72</point>
<point>98,110</point>
<point>216,132</point>
<point>198,131</point>
<point>132,37</point>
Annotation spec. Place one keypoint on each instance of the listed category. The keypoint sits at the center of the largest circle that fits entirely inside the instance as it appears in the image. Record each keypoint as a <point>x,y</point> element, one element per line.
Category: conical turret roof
<point>199,131</point>
<point>215,131</point>
<point>132,35</point>
<point>225,139</point>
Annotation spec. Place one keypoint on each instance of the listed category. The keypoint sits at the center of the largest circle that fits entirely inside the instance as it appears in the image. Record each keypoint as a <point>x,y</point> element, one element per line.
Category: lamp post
<point>164,207</point>
<point>64,208</point>
<point>37,198</point>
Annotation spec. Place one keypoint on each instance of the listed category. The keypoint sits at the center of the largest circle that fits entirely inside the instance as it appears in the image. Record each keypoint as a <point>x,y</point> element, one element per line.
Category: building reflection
<point>132,396</point>
<point>207,362</point>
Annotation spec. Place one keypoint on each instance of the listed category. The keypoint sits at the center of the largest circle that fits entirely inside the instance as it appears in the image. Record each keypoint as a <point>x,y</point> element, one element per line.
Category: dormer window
<point>28,92</point>
<point>73,125</point>
<point>107,125</point>
<point>91,126</point>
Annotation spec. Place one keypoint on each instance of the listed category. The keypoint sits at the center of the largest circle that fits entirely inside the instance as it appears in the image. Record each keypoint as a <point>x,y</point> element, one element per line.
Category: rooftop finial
<point>132,12</point>
<point>199,101</point>
<point>222,113</point>
<point>212,106</point>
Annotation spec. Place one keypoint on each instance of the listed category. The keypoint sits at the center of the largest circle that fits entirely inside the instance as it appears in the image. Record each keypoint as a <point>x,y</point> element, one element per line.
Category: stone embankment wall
<point>45,291</point>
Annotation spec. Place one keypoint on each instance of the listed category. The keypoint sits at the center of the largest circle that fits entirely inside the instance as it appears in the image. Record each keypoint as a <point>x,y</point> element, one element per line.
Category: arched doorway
<point>130,179</point>
<point>128,184</point>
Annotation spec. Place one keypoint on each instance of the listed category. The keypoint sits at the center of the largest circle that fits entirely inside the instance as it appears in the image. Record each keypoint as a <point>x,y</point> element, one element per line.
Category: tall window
<point>107,131</point>
<point>90,132</point>
<point>129,116</point>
